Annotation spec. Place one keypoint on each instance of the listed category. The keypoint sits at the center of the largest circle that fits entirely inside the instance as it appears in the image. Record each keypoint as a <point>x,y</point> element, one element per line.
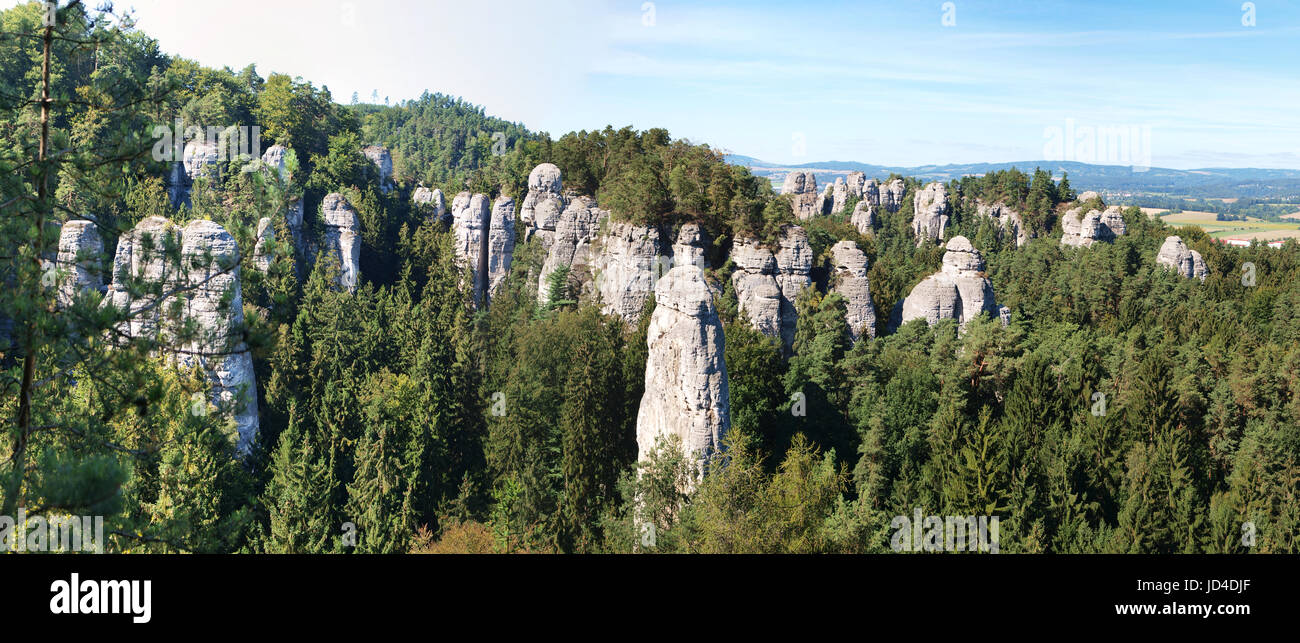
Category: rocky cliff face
<point>802,186</point>
<point>630,260</point>
<point>207,278</point>
<point>930,219</point>
<point>343,238</point>
<point>501,243</point>
<point>262,252</point>
<point>767,284</point>
<point>545,202</point>
<point>200,159</point>
<point>471,220</point>
<point>1012,224</point>
<point>689,246</point>
<point>141,258</point>
<point>864,217</point>
<point>383,161</point>
<point>434,199</point>
<point>78,261</point>
<point>686,391</point>
<point>1086,229</point>
<point>219,348</point>
<point>959,291</point>
<point>571,241</point>
<point>1176,256</point>
<point>850,279</point>
<point>891,195</point>
<point>839,195</point>
<point>274,158</point>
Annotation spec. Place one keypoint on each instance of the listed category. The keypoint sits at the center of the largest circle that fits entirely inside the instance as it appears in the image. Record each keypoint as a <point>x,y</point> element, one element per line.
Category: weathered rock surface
<point>864,217</point>
<point>1085,229</point>
<point>802,186</point>
<point>630,259</point>
<point>471,220</point>
<point>141,256</point>
<point>1087,196</point>
<point>571,241</point>
<point>433,198</point>
<point>544,203</point>
<point>206,280</point>
<point>383,161</point>
<point>219,348</point>
<point>767,284</point>
<point>891,195</point>
<point>686,390</point>
<point>839,195</point>
<point>850,277</point>
<point>265,236</point>
<point>1175,255</point>
<point>1011,222</point>
<point>959,291</point>
<point>931,213</point>
<point>274,158</point>
<point>501,243</point>
<point>202,159</point>
<point>688,248</point>
<point>343,238</point>
<point>80,251</point>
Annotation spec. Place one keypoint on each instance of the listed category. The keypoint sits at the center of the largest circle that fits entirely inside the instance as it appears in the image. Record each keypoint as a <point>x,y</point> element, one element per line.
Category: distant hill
<point>1112,179</point>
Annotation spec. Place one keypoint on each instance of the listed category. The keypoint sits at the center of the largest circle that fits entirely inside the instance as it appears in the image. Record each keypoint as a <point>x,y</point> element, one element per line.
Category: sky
<point>1181,84</point>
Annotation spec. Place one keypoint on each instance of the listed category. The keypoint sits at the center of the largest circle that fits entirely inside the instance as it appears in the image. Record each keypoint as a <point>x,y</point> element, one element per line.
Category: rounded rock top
<point>545,178</point>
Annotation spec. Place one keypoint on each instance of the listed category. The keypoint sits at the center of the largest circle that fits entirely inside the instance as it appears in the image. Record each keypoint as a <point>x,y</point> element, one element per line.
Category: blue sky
<point>883,82</point>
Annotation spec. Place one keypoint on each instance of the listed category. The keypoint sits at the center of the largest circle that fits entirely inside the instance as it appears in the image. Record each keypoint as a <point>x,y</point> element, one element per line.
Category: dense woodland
<point>377,407</point>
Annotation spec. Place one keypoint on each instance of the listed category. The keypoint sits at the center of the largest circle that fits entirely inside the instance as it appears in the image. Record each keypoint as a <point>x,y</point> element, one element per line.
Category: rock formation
<point>207,278</point>
<point>888,196</point>
<point>959,291</point>
<point>544,203</point>
<point>630,260</point>
<point>200,159</point>
<point>265,236</point>
<point>802,186</point>
<point>80,251</point>
<point>931,213</point>
<point>471,220</point>
<point>383,161</point>
<point>1092,227</point>
<point>215,303</point>
<point>1009,220</point>
<point>839,195</point>
<point>434,199</point>
<point>1175,255</point>
<point>571,241</point>
<point>343,238</point>
<point>686,391</point>
<point>850,278</point>
<point>274,158</point>
<point>501,243</point>
<point>688,248</point>
<point>767,284</point>
<point>864,217</point>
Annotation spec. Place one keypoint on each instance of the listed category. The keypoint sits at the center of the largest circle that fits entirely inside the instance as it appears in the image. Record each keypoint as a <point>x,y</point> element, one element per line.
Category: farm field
<point>1251,228</point>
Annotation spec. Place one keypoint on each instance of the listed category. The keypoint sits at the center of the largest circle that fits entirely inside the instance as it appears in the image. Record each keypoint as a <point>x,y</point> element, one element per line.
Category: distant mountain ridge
<point>1115,179</point>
